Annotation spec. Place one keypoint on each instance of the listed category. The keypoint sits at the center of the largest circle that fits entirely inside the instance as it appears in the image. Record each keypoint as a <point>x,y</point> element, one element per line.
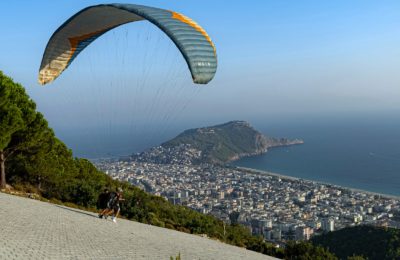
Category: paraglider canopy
<point>87,25</point>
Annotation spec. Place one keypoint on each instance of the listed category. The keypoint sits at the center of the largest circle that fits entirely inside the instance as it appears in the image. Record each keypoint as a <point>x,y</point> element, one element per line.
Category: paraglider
<point>90,23</point>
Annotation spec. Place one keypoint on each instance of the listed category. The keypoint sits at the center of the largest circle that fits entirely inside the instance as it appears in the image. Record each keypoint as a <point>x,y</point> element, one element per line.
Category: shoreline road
<point>32,229</point>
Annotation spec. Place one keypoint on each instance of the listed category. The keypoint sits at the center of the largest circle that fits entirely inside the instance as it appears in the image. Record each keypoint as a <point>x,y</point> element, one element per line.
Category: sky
<point>276,60</point>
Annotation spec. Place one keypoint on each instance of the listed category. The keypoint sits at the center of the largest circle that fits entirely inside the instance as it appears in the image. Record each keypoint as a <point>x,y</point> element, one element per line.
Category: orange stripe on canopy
<point>187,20</point>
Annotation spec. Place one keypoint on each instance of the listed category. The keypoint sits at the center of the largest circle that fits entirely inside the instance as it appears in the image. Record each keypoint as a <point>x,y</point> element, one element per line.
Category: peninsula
<point>219,144</point>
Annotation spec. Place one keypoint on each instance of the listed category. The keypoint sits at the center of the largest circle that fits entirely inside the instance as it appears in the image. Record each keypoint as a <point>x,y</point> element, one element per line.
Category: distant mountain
<point>218,144</point>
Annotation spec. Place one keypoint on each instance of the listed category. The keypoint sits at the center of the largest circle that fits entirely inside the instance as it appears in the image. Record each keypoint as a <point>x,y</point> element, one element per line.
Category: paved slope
<point>36,230</point>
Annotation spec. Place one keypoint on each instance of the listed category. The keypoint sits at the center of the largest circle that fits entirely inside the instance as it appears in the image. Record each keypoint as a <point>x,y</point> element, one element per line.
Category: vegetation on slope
<point>367,241</point>
<point>306,251</point>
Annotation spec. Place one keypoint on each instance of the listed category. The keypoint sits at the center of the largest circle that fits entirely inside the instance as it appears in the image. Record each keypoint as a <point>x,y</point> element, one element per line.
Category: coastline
<point>262,172</point>
<point>264,150</point>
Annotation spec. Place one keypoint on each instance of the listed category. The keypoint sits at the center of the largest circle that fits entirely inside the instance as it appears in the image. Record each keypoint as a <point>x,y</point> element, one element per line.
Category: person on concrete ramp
<point>113,205</point>
<point>102,202</point>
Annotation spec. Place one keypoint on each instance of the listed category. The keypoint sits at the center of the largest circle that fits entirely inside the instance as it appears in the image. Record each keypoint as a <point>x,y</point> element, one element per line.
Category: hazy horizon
<point>276,62</point>
<point>95,143</point>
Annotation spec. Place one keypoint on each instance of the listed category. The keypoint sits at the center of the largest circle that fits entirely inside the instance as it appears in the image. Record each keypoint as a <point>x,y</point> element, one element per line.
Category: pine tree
<point>17,115</point>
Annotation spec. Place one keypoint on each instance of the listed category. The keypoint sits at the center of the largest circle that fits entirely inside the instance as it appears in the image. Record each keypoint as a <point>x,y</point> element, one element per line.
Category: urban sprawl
<point>276,207</point>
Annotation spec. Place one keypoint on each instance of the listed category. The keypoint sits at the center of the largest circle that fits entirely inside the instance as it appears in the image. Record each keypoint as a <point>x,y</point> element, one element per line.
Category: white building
<point>328,224</point>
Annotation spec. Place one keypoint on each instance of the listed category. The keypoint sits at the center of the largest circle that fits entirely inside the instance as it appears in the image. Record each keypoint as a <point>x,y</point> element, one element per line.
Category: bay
<point>355,152</point>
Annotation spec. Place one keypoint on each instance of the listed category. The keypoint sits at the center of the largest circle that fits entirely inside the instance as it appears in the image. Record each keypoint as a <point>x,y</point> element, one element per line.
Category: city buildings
<point>276,207</point>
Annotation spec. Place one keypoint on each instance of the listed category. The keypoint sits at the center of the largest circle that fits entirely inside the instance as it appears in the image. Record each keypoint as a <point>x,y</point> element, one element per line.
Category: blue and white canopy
<point>87,25</point>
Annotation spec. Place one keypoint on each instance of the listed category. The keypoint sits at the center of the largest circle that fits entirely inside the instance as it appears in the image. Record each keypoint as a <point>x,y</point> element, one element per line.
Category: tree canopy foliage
<point>367,241</point>
<point>307,251</point>
<point>18,121</point>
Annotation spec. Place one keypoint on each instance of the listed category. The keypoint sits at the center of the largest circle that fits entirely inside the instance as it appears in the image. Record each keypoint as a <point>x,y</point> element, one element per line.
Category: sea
<point>360,152</point>
<point>357,152</point>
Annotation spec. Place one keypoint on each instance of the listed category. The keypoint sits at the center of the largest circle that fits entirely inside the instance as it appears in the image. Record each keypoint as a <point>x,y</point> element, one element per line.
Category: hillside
<point>218,144</point>
<point>35,161</point>
<point>58,232</point>
<point>368,241</point>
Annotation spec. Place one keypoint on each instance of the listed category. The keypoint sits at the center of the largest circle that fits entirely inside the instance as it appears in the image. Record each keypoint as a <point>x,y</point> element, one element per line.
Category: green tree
<point>307,251</point>
<point>17,112</point>
<point>367,241</point>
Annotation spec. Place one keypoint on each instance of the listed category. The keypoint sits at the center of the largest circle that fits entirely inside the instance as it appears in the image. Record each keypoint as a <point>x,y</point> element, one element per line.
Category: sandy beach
<point>255,171</point>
